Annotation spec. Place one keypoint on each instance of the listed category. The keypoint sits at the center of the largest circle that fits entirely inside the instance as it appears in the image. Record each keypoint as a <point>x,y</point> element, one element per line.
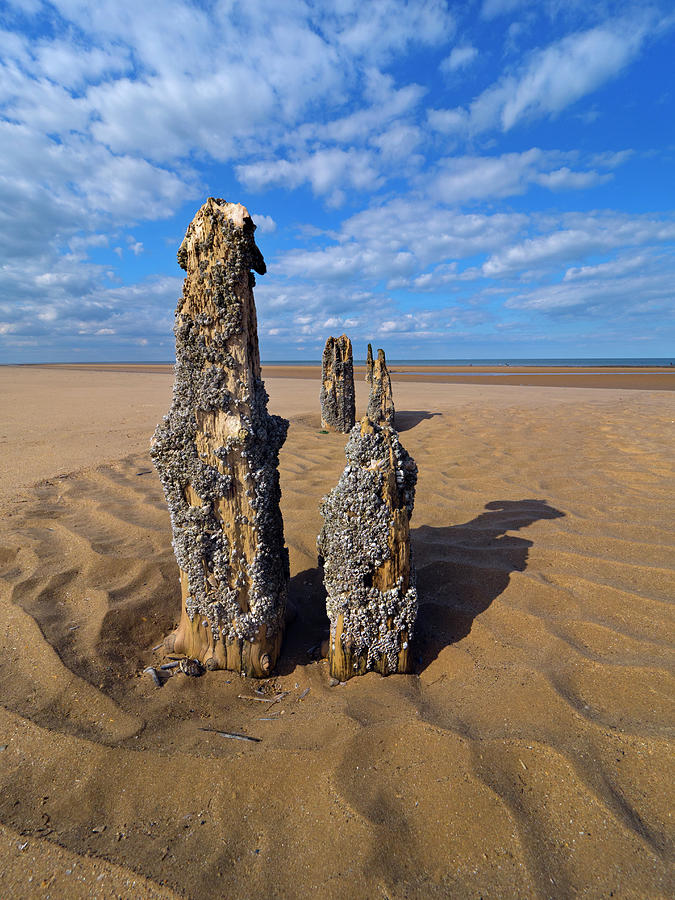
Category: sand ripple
<point>531,754</point>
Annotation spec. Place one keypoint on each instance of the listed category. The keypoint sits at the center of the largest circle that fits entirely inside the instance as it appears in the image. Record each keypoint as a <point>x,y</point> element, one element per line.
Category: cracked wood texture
<point>338,408</point>
<point>217,454</point>
<point>381,399</point>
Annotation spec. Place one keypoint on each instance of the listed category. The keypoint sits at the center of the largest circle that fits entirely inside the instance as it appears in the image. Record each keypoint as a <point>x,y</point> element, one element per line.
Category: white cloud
<point>565,179</point>
<point>399,142</point>
<point>86,180</point>
<point>72,65</point>
<point>584,236</point>
<point>135,246</point>
<point>264,224</point>
<point>552,79</point>
<point>386,104</point>
<point>459,58</point>
<point>324,170</point>
<point>449,121</point>
<point>612,269</point>
<point>568,70</point>
<point>214,79</point>
<point>546,249</point>
<point>380,28</point>
<point>611,159</point>
<point>394,243</point>
<point>634,295</point>
<point>64,303</point>
<point>468,178</point>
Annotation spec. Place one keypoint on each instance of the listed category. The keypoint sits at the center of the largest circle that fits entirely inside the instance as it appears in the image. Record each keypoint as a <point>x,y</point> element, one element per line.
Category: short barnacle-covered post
<point>369,364</point>
<point>381,400</point>
<point>338,409</point>
<point>364,547</point>
<point>217,453</point>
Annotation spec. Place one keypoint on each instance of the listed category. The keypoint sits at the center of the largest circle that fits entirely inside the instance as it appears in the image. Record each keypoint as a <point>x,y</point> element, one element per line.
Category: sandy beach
<point>529,755</point>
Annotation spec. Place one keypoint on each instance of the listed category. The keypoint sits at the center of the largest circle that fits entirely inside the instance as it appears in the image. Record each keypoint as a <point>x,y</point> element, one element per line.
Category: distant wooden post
<point>217,453</point>
<point>364,547</point>
<point>338,409</point>
<point>381,400</point>
<point>369,364</point>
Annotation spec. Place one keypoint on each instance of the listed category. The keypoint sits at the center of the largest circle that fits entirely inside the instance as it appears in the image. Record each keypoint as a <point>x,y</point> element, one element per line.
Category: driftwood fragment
<point>338,409</point>
<point>235,735</point>
<point>217,453</point>
<point>364,547</point>
<point>381,400</point>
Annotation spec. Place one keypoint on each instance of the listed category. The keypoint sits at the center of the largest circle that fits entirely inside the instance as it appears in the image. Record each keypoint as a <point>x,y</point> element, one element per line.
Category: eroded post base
<point>255,659</point>
<point>194,638</point>
<point>344,664</point>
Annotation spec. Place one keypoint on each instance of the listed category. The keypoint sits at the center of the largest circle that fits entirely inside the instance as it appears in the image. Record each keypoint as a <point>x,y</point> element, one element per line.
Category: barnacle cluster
<point>217,449</point>
<point>362,525</point>
<point>338,409</point>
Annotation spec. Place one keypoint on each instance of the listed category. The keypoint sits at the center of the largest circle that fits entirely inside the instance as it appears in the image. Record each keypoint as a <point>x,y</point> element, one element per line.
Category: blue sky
<point>480,179</point>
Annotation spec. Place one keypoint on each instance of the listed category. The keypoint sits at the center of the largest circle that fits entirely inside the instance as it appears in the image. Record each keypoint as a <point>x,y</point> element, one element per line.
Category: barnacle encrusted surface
<point>381,399</point>
<point>365,549</point>
<point>338,409</point>
<point>217,450</point>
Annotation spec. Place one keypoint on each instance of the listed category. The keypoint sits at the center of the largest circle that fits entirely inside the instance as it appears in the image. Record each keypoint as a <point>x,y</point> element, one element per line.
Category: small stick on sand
<point>158,646</point>
<point>170,665</point>
<point>273,699</point>
<point>234,735</point>
<point>304,694</point>
<point>278,697</point>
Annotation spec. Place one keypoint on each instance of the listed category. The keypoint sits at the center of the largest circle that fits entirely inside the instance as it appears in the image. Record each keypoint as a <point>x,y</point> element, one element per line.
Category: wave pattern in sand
<point>530,755</point>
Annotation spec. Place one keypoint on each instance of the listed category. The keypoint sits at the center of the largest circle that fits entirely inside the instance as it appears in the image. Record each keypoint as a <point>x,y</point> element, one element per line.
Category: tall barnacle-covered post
<point>369,364</point>
<point>364,547</point>
<point>338,409</point>
<point>381,399</point>
<point>217,453</point>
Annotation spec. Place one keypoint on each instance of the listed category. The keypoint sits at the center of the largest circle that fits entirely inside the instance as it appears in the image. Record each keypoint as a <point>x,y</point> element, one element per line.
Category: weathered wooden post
<point>217,453</point>
<point>369,364</point>
<point>338,409</point>
<point>381,399</point>
<point>364,547</point>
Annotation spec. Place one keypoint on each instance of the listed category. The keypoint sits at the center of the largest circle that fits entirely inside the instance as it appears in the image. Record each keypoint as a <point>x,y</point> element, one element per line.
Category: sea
<point>572,362</point>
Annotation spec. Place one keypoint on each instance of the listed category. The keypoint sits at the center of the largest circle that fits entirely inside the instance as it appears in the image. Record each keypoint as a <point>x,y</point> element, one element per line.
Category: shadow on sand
<point>307,623</point>
<point>461,569</point>
<point>408,418</point>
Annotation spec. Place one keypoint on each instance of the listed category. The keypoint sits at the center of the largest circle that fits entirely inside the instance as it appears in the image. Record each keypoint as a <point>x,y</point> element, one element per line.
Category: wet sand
<point>650,378</point>
<point>529,755</point>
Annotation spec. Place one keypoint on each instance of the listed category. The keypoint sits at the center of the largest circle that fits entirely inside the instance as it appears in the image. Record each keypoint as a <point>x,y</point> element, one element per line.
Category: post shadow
<point>307,623</point>
<point>461,569</point>
<point>408,418</point>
